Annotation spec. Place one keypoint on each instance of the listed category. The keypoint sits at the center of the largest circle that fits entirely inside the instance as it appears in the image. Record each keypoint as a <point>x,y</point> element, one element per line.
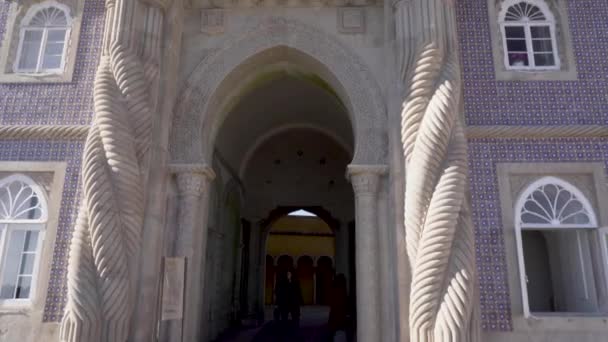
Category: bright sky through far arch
<point>301,212</point>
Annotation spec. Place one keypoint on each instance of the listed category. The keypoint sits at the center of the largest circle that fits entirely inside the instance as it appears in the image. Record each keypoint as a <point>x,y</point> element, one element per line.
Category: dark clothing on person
<point>338,306</point>
<point>289,298</point>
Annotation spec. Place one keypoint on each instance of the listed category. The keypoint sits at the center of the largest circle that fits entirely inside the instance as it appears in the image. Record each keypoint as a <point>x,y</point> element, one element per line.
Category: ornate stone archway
<point>202,108</point>
<point>199,114</point>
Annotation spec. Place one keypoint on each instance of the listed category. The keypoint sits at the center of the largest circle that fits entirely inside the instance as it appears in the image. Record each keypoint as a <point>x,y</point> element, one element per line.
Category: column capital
<point>192,178</point>
<point>365,178</point>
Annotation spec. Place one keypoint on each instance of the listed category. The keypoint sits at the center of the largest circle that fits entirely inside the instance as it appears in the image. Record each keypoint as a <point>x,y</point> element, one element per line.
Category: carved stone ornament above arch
<point>201,108</point>
<point>206,4</point>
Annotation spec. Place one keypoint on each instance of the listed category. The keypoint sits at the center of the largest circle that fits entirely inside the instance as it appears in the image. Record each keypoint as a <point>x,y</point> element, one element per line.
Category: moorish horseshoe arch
<point>197,115</point>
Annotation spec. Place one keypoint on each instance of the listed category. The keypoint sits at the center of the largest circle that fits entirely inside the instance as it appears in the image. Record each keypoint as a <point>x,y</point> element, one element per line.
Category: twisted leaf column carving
<point>106,244</point>
<point>439,234</point>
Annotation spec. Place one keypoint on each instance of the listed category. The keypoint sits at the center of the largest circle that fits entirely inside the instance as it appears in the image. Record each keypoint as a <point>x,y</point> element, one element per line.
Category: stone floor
<point>313,328</point>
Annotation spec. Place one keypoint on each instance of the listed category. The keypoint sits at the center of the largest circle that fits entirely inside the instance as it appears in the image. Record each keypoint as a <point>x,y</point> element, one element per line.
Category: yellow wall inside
<point>301,224</point>
<point>296,245</point>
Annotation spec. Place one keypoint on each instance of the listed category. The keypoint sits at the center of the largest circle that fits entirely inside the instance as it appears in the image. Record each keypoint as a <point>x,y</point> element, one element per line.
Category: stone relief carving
<point>351,20</point>
<point>105,247</point>
<point>281,3</point>
<point>212,20</point>
<point>364,97</point>
<point>439,232</point>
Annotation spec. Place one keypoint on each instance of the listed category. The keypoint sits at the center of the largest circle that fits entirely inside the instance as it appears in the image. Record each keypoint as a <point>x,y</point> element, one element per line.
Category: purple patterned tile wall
<point>491,102</point>
<point>70,152</point>
<point>65,103</point>
<point>484,154</point>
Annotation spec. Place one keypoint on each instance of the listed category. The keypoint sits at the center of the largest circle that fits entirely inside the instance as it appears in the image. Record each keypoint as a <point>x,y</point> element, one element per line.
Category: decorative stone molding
<point>203,169</point>
<point>192,178</point>
<point>213,20</point>
<point>365,178</point>
<point>281,3</point>
<point>351,20</point>
<point>536,132</point>
<point>191,184</point>
<point>350,76</point>
<point>439,232</point>
<point>58,132</point>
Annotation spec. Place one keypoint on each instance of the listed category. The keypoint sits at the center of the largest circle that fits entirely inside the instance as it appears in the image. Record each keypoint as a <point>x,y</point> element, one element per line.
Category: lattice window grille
<point>19,201</point>
<point>553,205</point>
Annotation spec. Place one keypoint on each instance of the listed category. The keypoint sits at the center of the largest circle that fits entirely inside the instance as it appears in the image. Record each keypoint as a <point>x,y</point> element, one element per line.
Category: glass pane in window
<point>27,264</point>
<point>31,241</point>
<point>553,283</point>
<point>542,45</point>
<point>12,257</point>
<point>32,40</point>
<point>23,287</point>
<point>540,32</point>
<point>31,36</point>
<point>515,32</point>
<point>51,62</point>
<point>56,36</point>
<point>54,49</point>
<point>518,59</point>
<point>515,45</point>
<point>544,59</point>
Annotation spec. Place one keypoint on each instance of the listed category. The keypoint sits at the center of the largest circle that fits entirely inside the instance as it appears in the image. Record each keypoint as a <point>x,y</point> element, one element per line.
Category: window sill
<point>535,75</point>
<point>65,77</point>
<point>562,322</point>
<point>573,315</point>
<point>15,306</point>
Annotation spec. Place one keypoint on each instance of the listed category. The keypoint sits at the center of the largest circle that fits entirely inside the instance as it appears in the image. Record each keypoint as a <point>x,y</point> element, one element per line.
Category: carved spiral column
<point>193,184</point>
<point>439,234</point>
<point>106,244</point>
<point>365,180</point>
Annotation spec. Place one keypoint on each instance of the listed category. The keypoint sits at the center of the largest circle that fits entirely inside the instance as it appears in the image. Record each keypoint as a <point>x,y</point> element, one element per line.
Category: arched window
<point>528,34</point>
<point>555,225</point>
<point>23,215</point>
<point>43,39</point>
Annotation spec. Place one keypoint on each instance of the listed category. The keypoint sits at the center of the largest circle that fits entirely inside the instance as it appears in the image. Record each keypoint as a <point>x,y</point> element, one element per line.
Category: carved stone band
<point>192,178</point>
<point>365,178</point>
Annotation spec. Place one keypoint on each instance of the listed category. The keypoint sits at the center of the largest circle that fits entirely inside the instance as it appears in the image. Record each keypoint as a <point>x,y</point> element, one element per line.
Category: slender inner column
<point>193,186</point>
<point>365,179</point>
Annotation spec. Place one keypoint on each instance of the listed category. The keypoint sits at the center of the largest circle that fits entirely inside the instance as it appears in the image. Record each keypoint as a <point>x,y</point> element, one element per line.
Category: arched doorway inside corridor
<point>304,244</point>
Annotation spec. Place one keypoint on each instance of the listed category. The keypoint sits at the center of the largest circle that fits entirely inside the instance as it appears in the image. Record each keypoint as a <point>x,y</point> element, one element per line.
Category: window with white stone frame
<point>531,40</point>
<point>43,37</point>
<point>528,32</point>
<point>555,228</point>
<point>23,218</point>
<point>40,41</point>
